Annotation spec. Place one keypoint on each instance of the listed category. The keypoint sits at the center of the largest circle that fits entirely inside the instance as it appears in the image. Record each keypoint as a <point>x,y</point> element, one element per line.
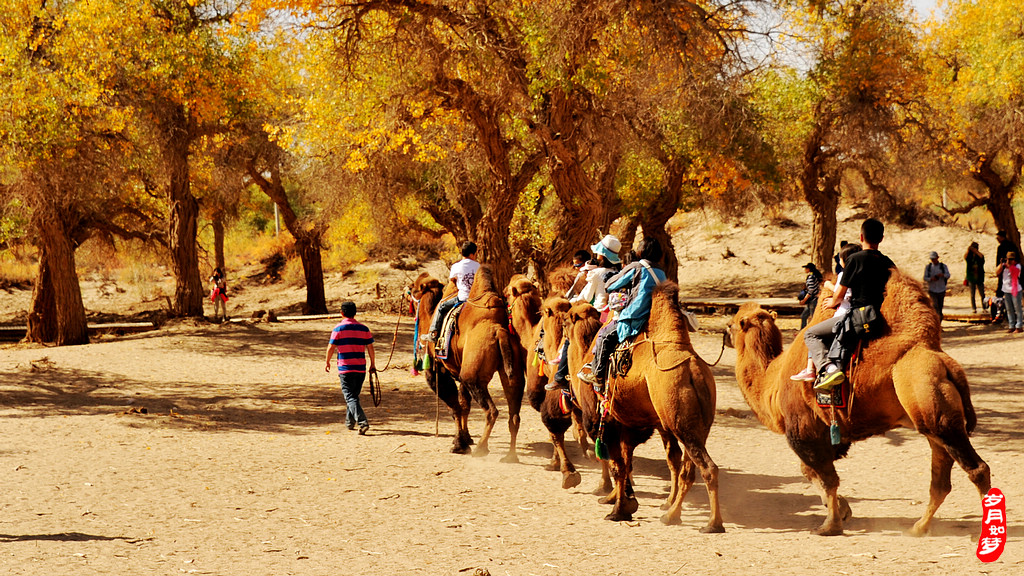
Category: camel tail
<point>505,345</point>
<point>956,375</point>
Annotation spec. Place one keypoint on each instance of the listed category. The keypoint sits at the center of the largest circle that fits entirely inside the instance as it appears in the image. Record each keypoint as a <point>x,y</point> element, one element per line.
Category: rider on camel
<point>865,276</point>
<point>638,280</point>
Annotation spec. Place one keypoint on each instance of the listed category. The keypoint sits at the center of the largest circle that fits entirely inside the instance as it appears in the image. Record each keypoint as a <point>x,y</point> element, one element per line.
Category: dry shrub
<point>293,275</point>
<point>16,270</point>
<point>244,248</point>
<point>99,256</point>
<point>350,237</point>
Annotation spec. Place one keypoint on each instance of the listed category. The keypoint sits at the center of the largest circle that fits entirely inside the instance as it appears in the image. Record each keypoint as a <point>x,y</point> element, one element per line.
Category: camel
<point>426,293</point>
<point>901,379</point>
<point>527,314</point>
<point>668,388</point>
<point>481,346</point>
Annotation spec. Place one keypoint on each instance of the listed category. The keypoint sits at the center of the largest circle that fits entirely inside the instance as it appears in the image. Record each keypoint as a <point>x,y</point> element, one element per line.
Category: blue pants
<point>562,374</point>
<point>351,386</point>
<point>1014,316</point>
<point>442,310</point>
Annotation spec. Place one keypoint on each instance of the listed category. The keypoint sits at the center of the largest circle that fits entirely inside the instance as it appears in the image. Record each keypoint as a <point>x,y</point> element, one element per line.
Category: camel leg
<point>845,512</point>
<point>580,432</point>
<point>570,477</point>
<point>606,487</point>
<point>513,388</point>
<point>955,446</point>
<point>626,503</point>
<point>556,452</point>
<point>491,412</point>
<point>462,438</point>
<point>696,453</point>
<point>609,486</point>
<point>687,474</point>
<point>817,455</point>
<point>942,464</point>
<point>674,457</point>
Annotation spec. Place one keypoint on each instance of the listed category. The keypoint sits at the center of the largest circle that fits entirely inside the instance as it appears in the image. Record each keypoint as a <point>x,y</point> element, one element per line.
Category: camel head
<point>424,284</point>
<point>753,330</point>
<point>519,286</point>
<point>583,322</point>
<point>524,304</point>
<point>552,315</point>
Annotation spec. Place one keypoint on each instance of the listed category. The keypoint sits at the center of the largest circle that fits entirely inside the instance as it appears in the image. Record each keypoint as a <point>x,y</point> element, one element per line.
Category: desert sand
<point>221,449</point>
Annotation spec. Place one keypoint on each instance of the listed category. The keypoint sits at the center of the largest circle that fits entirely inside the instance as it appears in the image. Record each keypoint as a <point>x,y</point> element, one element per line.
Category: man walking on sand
<point>349,339</point>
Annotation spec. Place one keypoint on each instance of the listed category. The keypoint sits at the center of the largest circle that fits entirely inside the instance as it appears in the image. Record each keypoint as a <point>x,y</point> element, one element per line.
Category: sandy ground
<point>241,463</point>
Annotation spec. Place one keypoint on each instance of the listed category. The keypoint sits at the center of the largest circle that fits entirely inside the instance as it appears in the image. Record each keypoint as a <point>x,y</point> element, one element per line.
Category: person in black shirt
<point>865,276</point>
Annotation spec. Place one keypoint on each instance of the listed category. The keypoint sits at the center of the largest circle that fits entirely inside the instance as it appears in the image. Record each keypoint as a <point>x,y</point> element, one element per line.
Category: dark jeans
<point>442,310</point>
<point>562,374</point>
<point>351,386</point>
<point>937,300</point>
<point>605,343</point>
<point>808,311</point>
<point>980,288</point>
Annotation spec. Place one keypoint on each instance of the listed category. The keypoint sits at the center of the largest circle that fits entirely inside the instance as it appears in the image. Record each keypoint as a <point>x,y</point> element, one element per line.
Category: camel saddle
<point>622,357</point>
<point>449,329</point>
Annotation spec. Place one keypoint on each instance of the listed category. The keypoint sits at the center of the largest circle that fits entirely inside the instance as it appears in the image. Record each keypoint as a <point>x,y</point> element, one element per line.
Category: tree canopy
<point>532,128</point>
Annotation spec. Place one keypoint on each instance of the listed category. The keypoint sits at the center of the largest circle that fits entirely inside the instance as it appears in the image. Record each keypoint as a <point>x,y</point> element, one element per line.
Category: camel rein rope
<point>646,338</point>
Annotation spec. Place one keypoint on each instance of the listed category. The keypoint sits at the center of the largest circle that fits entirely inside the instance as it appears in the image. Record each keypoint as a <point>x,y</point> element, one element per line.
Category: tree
<point>863,91</point>
<point>186,71</point>
<point>64,152</point>
<point>533,85</point>
<point>977,77</point>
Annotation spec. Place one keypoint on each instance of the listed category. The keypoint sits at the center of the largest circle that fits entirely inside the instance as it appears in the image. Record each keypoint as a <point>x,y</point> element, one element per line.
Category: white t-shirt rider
<point>463,273</point>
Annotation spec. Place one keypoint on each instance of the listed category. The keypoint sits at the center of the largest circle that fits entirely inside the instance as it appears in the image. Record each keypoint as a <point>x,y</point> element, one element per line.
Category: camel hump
<point>908,311</point>
<point>933,390</point>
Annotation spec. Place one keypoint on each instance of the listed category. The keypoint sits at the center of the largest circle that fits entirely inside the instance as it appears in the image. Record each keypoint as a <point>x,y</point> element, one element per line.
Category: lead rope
<point>725,336</point>
<point>394,342</point>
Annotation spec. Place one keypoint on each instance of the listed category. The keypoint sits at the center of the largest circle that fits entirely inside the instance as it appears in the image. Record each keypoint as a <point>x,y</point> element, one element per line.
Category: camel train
<point>669,389</point>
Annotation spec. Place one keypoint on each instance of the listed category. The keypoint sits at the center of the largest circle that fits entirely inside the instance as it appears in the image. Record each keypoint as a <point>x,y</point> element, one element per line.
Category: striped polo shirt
<point>350,339</point>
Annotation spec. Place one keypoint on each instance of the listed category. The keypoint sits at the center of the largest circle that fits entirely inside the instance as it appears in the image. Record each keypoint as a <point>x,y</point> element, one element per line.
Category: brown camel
<point>426,293</point>
<point>482,346</point>
<point>527,315</point>
<point>901,379</point>
<point>668,388</point>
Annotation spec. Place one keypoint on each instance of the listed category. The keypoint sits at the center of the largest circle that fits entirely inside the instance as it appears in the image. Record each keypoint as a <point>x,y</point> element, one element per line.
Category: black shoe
<point>363,429</point>
<point>350,426</point>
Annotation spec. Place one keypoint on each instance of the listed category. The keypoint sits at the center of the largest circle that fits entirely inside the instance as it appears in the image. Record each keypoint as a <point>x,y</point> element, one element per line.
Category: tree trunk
<point>823,232</point>
<point>183,227</point>
<point>492,236</point>
<point>42,319</point>
<point>307,241</point>
<point>822,194</point>
<point>588,206</point>
<point>308,248</point>
<point>218,240</point>
<point>1000,197</point>
<point>65,319</point>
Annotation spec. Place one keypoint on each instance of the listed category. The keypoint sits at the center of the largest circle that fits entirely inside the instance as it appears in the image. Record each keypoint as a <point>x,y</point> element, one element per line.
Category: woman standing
<point>1009,273</point>
<point>219,293</point>
<point>812,287</point>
